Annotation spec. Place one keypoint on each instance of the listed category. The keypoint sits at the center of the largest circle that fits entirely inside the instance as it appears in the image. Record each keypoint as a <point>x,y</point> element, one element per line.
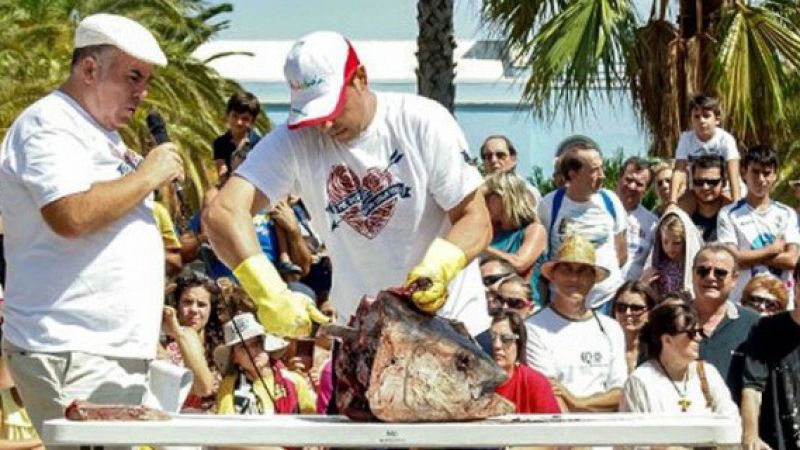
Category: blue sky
<point>357,19</point>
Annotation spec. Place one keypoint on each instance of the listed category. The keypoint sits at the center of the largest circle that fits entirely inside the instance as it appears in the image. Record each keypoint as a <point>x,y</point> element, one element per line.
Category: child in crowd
<point>670,263</point>
<point>705,138</point>
<point>240,114</point>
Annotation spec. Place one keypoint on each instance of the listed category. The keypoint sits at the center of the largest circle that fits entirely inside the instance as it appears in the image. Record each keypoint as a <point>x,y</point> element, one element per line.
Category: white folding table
<point>335,431</point>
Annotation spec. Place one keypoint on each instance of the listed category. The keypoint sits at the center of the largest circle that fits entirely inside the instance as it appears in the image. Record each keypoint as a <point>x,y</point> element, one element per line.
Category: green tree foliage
<point>744,52</point>
<point>35,53</point>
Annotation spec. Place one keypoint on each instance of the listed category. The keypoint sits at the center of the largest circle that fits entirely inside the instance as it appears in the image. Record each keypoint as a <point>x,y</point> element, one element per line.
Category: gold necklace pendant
<point>684,403</point>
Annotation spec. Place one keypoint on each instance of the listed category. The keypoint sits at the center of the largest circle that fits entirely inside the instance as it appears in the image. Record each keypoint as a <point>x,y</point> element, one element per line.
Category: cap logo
<point>305,84</point>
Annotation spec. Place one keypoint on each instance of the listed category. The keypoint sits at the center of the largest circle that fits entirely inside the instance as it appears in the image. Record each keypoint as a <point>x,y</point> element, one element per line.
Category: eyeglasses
<point>505,338</point>
<point>513,302</point>
<point>489,280</point>
<point>623,308</point>
<point>499,155</point>
<point>762,303</point>
<point>693,333</point>
<point>704,271</point>
<point>701,182</point>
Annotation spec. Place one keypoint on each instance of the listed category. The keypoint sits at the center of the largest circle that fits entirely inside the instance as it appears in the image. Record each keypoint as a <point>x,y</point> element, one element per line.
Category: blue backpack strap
<point>558,199</point>
<point>609,204</point>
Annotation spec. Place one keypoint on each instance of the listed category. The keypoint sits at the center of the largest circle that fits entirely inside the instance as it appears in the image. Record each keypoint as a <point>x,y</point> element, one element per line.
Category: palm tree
<point>742,53</point>
<point>435,46</point>
<point>35,51</point>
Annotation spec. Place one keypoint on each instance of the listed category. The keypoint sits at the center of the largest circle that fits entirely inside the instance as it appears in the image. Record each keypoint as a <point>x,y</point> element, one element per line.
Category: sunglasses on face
<point>624,308</point>
<point>505,338</point>
<point>489,280</point>
<point>693,333</point>
<point>499,155</point>
<point>704,271</point>
<point>763,303</point>
<point>701,182</point>
<point>514,302</point>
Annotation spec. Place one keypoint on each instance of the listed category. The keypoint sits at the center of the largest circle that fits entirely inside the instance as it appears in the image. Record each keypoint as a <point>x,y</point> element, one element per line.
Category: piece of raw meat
<point>398,364</point>
<point>83,410</point>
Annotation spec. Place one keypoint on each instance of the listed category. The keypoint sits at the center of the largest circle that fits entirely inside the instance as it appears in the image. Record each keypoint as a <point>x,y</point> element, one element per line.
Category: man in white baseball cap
<point>386,175</point>
<point>85,293</point>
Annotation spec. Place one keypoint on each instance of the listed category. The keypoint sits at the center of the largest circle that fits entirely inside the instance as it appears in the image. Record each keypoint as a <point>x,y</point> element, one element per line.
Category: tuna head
<point>428,369</point>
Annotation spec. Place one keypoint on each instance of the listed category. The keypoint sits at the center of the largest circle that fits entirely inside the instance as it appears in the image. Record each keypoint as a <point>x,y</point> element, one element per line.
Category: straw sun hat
<point>575,249</point>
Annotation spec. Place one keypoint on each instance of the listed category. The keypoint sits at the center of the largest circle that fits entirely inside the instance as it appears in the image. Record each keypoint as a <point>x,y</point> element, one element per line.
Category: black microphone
<point>158,129</point>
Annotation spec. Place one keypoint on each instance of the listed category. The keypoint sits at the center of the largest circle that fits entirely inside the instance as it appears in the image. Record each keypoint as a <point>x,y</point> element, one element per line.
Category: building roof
<point>387,61</point>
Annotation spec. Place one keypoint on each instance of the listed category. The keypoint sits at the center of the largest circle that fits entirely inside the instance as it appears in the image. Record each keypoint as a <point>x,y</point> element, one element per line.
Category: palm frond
<point>756,51</point>
<point>580,49</point>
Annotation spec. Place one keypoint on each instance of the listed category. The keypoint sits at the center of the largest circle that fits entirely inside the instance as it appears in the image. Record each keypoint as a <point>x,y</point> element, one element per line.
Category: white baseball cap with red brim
<point>318,68</point>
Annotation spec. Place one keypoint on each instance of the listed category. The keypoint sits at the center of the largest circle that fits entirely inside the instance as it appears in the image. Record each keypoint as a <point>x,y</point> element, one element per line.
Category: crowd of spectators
<point>597,303</point>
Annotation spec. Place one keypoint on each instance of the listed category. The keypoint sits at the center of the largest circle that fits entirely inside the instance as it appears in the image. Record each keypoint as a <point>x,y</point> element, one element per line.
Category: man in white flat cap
<point>387,176</point>
<point>85,284</point>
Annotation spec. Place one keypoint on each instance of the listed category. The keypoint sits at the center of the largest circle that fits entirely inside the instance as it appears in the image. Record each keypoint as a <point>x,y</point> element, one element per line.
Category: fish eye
<point>463,362</point>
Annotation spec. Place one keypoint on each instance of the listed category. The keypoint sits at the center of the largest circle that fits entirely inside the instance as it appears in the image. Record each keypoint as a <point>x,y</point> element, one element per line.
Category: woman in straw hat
<point>580,351</point>
<point>254,379</point>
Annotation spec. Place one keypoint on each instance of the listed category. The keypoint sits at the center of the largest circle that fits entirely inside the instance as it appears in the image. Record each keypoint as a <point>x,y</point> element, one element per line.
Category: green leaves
<point>758,50</point>
<point>35,53</point>
<point>580,46</point>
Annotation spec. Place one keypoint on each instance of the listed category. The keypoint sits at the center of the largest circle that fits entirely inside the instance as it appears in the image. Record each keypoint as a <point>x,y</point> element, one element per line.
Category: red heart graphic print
<point>354,198</point>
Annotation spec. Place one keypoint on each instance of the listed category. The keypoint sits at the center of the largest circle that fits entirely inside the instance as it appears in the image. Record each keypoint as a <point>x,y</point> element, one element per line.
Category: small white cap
<point>121,32</point>
<point>318,68</point>
<point>241,328</point>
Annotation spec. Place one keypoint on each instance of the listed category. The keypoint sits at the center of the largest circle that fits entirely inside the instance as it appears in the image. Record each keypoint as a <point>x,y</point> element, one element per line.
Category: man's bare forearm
<point>472,229</point>
<point>103,204</point>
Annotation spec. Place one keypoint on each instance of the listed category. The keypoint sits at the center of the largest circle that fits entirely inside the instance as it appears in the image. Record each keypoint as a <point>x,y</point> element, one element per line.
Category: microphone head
<point>157,127</point>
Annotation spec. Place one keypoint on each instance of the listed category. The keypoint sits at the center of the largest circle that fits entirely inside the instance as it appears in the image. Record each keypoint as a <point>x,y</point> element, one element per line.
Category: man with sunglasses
<point>493,271</point>
<point>388,177</point>
<point>726,325</point>
<point>771,395</point>
<point>499,155</point>
<point>762,232</point>
<point>705,198</point>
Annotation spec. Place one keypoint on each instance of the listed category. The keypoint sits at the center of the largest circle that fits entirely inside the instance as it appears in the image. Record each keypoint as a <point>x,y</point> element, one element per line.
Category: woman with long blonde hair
<point>519,237</point>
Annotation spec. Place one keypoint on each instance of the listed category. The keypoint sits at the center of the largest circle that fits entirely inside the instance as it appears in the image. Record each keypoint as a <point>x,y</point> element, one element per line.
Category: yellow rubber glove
<point>280,310</point>
<point>441,263</point>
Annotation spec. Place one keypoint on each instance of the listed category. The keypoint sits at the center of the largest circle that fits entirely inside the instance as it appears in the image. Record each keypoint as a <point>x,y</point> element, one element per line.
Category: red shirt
<point>530,391</point>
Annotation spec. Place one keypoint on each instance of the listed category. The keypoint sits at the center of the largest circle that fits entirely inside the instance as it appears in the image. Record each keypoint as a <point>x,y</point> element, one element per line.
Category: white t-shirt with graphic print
<point>379,200</point>
<point>100,293</point>
<point>721,144</point>
<point>640,239</point>
<point>591,219</point>
<point>748,228</point>
<point>586,356</point>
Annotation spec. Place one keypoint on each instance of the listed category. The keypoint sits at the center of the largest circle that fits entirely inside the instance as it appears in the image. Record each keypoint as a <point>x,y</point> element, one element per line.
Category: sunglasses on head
<point>489,280</point>
<point>623,308</point>
<point>759,302</point>
<point>711,182</point>
<point>505,338</point>
<point>704,271</point>
<point>514,302</point>
<point>499,155</point>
